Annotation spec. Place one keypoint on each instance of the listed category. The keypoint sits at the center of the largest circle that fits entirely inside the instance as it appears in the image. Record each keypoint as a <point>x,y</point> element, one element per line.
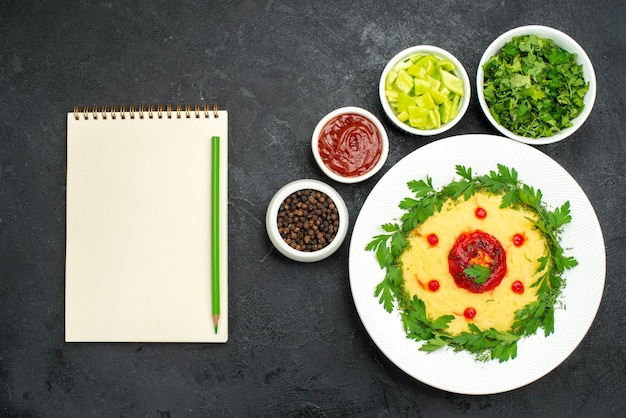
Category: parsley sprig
<point>533,87</point>
<point>479,273</point>
<point>426,201</point>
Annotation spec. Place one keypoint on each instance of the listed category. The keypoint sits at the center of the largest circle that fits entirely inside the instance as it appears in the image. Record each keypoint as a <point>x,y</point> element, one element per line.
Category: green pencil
<point>215,229</point>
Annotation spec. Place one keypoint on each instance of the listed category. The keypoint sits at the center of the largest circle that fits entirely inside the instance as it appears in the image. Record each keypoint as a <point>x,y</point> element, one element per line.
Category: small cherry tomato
<point>518,240</point>
<point>517,287</point>
<point>480,213</point>
<point>433,239</point>
<point>433,285</point>
<point>469,313</point>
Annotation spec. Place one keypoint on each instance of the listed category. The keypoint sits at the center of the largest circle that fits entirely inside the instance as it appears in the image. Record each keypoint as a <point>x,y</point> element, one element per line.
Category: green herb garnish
<point>479,273</point>
<point>533,87</point>
<point>488,343</point>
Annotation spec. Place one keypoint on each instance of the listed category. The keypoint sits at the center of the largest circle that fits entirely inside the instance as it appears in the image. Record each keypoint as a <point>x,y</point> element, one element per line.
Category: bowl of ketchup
<point>350,144</point>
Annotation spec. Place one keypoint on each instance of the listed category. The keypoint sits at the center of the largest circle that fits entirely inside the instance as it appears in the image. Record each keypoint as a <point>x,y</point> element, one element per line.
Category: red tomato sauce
<point>468,248</point>
<point>350,145</point>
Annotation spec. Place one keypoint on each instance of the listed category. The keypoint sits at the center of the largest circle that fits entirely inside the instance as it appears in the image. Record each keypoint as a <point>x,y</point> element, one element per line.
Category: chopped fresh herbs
<point>485,344</point>
<point>533,87</point>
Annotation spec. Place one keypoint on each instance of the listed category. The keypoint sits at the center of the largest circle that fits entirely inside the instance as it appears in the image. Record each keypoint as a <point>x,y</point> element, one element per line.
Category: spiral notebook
<point>138,239</point>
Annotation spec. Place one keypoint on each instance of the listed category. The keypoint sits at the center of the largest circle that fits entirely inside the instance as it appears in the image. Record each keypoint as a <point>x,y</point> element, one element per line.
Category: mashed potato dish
<point>476,265</point>
<point>475,232</point>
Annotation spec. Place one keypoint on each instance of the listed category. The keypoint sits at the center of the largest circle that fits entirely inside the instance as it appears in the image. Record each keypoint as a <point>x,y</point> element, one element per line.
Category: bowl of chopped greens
<point>424,90</point>
<point>536,84</point>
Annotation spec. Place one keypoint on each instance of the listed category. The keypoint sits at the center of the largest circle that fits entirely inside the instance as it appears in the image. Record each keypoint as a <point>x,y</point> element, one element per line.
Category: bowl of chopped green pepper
<point>424,90</point>
<point>536,84</point>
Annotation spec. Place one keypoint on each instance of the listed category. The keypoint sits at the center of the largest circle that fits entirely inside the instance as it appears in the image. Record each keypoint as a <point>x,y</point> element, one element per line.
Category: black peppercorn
<point>308,220</point>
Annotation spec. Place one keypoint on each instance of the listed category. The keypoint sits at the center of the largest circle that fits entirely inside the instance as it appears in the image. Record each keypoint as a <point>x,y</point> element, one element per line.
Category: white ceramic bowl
<point>459,72</point>
<point>271,222</point>
<point>565,42</point>
<point>344,111</point>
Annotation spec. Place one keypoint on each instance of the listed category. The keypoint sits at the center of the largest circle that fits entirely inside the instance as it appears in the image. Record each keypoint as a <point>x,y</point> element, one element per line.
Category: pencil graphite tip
<point>216,319</point>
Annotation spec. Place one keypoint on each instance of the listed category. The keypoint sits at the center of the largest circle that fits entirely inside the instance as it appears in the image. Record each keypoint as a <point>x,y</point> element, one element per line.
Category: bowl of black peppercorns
<point>307,220</point>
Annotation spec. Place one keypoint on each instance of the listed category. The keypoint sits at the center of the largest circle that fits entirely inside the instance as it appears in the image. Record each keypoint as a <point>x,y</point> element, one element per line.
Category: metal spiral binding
<point>146,112</point>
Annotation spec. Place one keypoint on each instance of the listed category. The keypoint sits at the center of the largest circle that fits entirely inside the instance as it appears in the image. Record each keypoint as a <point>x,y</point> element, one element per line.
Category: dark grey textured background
<point>297,346</point>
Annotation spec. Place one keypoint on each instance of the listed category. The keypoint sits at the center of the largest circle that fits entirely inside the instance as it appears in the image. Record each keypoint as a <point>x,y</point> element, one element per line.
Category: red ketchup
<point>350,145</point>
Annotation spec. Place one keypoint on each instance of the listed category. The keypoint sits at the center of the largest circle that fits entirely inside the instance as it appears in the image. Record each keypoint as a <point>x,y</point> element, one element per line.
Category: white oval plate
<point>582,238</point>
